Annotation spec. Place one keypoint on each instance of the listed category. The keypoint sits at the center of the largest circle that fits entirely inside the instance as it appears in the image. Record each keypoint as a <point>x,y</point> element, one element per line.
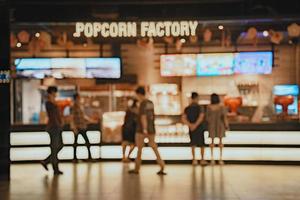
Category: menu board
<point>39,68</point>
<point>109,68</point>
<point>216,64</point>
<point>178,65</point>
<point>253,63</point>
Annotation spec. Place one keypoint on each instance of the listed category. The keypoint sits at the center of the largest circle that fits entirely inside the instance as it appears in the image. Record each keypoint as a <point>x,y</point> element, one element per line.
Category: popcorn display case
<point>166,98</point>
<point>112,127</point>
<point>167,101</point>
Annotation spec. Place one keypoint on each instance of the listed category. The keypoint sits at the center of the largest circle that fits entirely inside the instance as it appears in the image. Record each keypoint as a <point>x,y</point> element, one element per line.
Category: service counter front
<point>248,142</point>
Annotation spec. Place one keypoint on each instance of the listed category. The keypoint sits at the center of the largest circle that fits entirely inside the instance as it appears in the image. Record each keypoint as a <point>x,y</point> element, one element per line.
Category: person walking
<point>146,129</point>
<point>79,125</point>
<point>217,125</point>
<point>54,128</point>
<point>129,129</point>
<point>193,117</point>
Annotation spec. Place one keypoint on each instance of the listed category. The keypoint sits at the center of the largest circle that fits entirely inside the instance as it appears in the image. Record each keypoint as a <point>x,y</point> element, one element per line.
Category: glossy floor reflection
<point>111,181</point>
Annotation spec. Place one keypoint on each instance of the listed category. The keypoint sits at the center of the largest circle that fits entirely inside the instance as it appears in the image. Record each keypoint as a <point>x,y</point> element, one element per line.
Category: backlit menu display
<point>39,68</point>
<point>178,65</point>
<point>216,64</point>
<point>253,63</point>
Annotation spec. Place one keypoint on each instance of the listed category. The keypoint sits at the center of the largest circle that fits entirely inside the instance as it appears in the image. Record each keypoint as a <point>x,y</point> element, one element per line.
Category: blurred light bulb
<point>182,40</point>
<point>265,33</point>
<point>37,34</point>
<point>19,44</point>
<point>220,27</point>
<point>76,35</point>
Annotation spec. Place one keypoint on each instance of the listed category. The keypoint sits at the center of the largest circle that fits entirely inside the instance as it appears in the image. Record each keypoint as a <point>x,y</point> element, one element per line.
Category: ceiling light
<point>37,34</point>
<point>265,33</point>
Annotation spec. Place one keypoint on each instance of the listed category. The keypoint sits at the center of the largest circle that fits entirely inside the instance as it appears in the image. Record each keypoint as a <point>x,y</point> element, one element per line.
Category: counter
<point>245,142</point>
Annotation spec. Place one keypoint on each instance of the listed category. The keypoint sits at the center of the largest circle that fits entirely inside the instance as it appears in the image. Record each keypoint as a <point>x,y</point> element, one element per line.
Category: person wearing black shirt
<point>193,117</point>
<point>129,129</point>
<point>54,128</point>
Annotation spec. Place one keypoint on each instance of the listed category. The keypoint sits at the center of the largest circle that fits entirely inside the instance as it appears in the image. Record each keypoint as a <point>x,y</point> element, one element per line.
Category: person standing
<point>217,124</point>
<point>146,129</point>
<point>129,129</point>
<point>79,125</point>
<point>193,117</point>
<point>54,128</point>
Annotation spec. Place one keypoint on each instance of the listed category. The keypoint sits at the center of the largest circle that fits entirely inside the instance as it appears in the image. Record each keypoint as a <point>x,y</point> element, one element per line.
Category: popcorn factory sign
<point>135,29</point>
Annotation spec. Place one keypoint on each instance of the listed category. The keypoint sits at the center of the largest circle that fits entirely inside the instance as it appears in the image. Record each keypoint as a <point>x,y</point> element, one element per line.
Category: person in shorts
<point>146,129</point>
<point>193,117</point>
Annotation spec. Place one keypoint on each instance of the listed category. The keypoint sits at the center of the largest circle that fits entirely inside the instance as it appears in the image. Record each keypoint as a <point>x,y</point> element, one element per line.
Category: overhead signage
<point>135,29</point>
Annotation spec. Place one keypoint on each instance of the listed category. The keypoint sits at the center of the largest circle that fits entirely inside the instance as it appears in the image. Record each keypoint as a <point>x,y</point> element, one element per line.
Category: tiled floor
<point>111,181</point>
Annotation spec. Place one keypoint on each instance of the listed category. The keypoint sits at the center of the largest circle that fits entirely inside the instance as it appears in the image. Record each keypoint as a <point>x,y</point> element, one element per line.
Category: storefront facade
<point>140,41</point>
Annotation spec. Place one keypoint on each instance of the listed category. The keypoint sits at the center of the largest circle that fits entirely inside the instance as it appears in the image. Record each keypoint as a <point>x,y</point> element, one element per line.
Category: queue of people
<point>139,124</point>
<point>216,118</point>
<point>194,116</point>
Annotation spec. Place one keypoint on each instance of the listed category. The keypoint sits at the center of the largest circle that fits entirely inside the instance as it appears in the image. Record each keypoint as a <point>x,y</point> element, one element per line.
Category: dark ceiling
<point>86,10</point>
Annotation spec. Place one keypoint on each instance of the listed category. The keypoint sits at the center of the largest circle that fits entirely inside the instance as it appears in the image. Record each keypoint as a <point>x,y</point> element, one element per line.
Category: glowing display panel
<point>286,90</point>
<point>178,65</point>
<point>253,63</point>
<point>39,68</point>
<point>215,64</point>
